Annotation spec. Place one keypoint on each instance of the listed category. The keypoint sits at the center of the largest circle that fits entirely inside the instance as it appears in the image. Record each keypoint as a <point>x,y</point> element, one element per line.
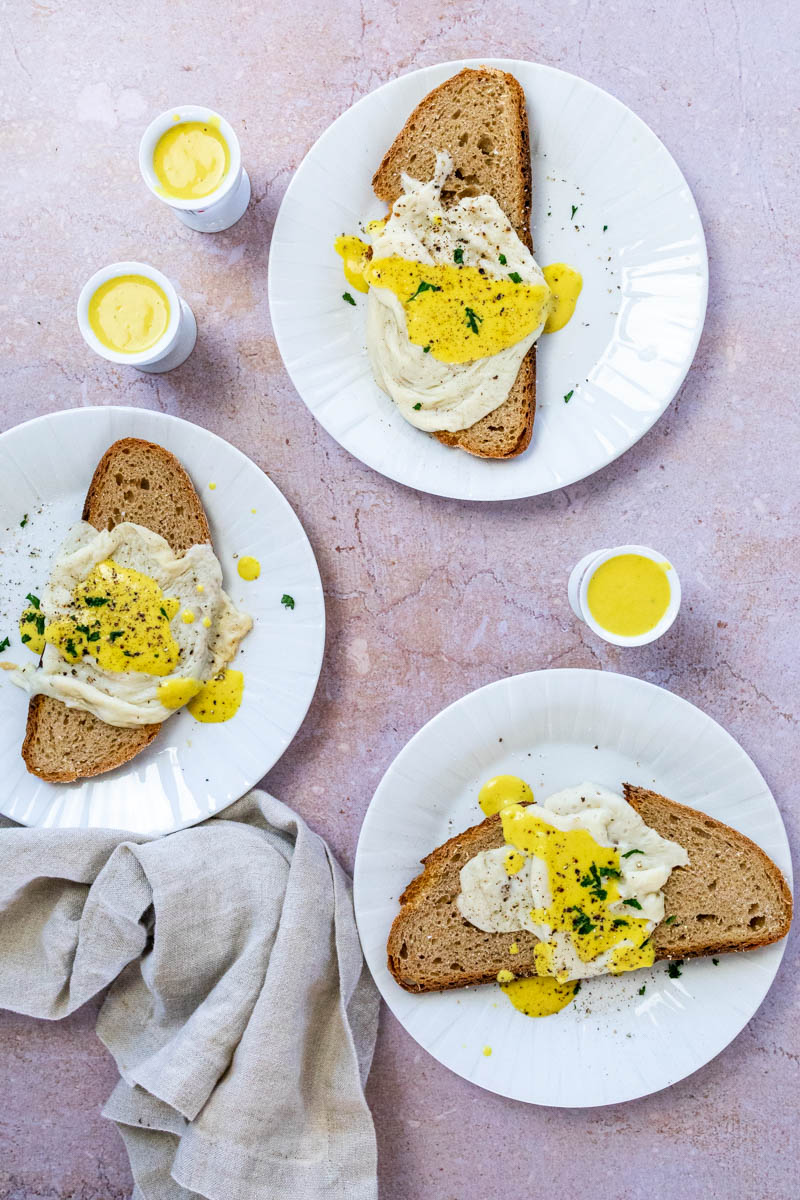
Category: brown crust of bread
<point>386,185</point>
<point>81,729</point>
<point>489,834</point>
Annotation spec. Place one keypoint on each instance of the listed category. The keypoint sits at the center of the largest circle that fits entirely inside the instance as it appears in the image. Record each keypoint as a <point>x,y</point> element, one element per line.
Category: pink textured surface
<point>428,599</point>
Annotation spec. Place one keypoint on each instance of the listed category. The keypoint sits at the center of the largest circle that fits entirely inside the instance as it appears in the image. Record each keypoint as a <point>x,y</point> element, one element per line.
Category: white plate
<point>191,770</point>
<point>635,330</point>
<point>556,728</point>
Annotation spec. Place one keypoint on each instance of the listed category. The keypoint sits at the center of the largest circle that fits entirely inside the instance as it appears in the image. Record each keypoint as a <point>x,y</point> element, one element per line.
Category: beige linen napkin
<point>240,1014</point>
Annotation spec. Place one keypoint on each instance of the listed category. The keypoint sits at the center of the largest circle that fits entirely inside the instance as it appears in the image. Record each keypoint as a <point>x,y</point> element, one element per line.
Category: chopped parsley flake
<point>96,601</point>
<point>418,406</point>
<point>567,399</point>
<point>574,210</point>
<point>163,612</point>
<point>346,296</point>
<point>605,227</point>
<point>503,260</point>
<point>424,287</point>
<point>426,349</point>
<point>287,601</point>
<point>715,961</point>
<point>628,853</point>
<point>642,989</point>
<point>6,642</point>
<point>581,924</point>
<point>95,637</point>
<point>24,521</point>
<point>632,903</point>
<point>115,633</point>
<point>26,637</point>
<point>515,277</point>
<point>458,255</point>
<point>34,600</point>
<point>82,629</point>
<point>69,646</point>
<point>473,320</point>
<point>40,625</point>
<point>674,969</point>
<point>670,919</point>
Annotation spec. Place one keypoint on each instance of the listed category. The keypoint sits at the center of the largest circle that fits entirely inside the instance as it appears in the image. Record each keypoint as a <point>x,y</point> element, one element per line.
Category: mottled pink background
<point>429,598</point>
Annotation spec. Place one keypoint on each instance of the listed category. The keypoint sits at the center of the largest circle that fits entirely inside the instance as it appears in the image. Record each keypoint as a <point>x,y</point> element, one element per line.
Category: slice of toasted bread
<point>134,481</point>
<point>479,117</point>
<point>731,896</point>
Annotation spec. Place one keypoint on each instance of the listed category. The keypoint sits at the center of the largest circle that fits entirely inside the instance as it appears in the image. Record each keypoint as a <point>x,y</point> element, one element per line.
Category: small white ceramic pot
<point>172,348</point>
<point>226,204</point>
<point>578,589</point>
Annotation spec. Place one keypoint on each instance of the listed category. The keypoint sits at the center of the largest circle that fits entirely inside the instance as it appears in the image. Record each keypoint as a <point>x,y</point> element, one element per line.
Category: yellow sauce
<point>629,594</point>
<point>354,253</point>
<point>31,630</point>
<point>513,862</point>
<point>540,997</point>
<point>177,692</point>
<point>565,285</point>
<point>501,791</point>
<point>457,312</point>
<point>187,616</point>
<point>249,568</point>
<point>129,314</point>
<point>191,160</point>
<point>582,883</point>
<point>219,700</point>
<point>121,618</point>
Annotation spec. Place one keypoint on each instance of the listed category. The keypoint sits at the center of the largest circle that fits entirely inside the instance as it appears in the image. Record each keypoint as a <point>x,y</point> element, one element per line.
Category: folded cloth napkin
<point>240,1013</point>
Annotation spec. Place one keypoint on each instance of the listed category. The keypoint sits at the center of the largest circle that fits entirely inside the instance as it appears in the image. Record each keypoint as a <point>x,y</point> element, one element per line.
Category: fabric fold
<point>240,1013</point>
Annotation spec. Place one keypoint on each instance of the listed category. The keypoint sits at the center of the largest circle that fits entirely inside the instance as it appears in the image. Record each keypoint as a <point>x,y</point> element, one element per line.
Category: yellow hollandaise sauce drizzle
<point>122,619</point>
<point>540,996</point>
<point>501,791</point>
<point>191,160</point>
<point>129,313</point>
<point>220,699</point>
<point>355,257</point>
<point>629,594</point>
<point>249,568</point>
<point>31,629</point>
<point>565,285</point>
<point>174,693</point>
<point>582,877</point>
<point>459,313</point>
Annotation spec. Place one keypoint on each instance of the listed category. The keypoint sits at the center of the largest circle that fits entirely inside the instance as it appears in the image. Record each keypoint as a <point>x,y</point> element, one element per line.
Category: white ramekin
<point>172,348</point>
<point>220,208</point>
<point>578,588</point>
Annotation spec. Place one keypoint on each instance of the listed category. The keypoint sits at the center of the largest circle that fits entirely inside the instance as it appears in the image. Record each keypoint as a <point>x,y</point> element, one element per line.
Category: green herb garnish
<point>628,853</point>
<point>24,521</point>
<point>424,287</point>
<point>674,969</point>
<point>642,989</point>
<point>567,399</point>
<point>633,903</point>
<point>515,277</point>
<point>163,612</point>
<point>26,637</point>
<point>574,210</point>
<point>6,642</point>
<point>115,633</point>
<point>346,296</point>
<point>503,260</point>
<point>82,629</point>
<point>418,406</point>
<point>715,961</point>
<point>473,319</point>
<point>95,637</point>
<point>33,599</point>
<point>69,646</point>
<point>594,880</point>
<point>618,923</point>
<point>605,227</point>
<point>287,601</point>
<point>458,255</point>
<point>95,601</point>
<point>426,349</point>
<point>670,919</point>
<point>40,624</point>
<point>581,924</point>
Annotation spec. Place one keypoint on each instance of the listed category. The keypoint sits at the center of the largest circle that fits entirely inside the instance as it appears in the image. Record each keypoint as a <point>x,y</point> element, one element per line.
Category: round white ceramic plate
<point>556,728</point>
<point>635,235</point>
<point>191,770</point>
